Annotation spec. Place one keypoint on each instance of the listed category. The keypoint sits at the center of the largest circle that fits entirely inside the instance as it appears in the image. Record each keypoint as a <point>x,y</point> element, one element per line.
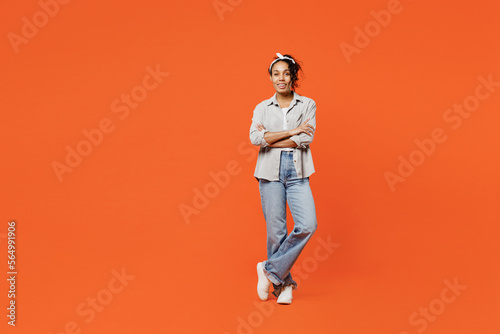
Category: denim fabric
<point>283,250</point>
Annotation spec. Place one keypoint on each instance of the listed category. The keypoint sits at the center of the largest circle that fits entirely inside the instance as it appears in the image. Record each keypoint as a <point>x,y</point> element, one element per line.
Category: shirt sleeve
<point>302,139</point>
<point>256,136</point>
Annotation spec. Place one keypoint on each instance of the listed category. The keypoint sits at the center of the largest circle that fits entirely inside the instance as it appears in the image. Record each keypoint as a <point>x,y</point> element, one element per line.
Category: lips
<point>281,86</point>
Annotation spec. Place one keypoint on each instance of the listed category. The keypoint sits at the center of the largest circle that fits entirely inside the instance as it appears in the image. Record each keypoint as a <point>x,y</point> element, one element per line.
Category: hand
<point>303,128</point>
<point>260,127</point>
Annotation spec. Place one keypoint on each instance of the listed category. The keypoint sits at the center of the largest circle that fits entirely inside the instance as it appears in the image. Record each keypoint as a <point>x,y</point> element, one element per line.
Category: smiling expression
<point>281,78</point>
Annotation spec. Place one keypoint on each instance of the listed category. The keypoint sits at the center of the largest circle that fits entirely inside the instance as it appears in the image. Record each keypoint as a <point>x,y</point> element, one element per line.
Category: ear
<point>271,77</point>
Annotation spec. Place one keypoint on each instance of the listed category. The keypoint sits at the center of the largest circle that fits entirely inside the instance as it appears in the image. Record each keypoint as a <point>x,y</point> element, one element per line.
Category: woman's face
<point>281,78</point>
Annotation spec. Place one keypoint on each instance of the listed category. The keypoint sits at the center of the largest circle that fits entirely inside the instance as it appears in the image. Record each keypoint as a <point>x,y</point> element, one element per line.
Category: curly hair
<point>295,69</point>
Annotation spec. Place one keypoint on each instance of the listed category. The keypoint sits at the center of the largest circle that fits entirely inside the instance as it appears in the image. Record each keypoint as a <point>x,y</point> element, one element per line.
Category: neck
<point>284,97</point>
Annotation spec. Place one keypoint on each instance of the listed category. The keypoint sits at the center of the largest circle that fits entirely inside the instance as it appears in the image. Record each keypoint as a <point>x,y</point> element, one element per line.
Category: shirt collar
<point>296,98</point>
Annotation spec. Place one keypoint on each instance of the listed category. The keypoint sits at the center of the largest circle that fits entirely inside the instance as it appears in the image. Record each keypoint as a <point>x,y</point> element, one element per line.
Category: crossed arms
<point>282,138</point>
<point>299,137</point>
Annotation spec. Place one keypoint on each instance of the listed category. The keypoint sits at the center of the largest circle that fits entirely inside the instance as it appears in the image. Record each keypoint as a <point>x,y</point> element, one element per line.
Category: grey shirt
<point>269,114</point>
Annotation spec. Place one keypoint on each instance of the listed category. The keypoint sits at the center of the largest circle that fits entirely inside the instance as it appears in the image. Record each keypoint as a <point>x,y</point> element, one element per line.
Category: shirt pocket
<point>295,118</point>
<point>273,121</point>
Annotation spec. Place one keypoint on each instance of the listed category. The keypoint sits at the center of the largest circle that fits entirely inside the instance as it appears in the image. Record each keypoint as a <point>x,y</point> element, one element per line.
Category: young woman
<point>283,126</point>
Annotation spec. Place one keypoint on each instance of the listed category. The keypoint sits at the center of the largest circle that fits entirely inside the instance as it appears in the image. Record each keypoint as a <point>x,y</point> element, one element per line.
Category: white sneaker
<point>285,296</point>
<point>263,284</point>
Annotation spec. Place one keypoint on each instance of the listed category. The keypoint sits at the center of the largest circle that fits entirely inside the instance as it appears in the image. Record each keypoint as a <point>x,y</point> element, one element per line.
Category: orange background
<point>120,208</point>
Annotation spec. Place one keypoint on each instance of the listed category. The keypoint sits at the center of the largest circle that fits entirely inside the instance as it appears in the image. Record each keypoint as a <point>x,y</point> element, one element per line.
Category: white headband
<point>280,57</point>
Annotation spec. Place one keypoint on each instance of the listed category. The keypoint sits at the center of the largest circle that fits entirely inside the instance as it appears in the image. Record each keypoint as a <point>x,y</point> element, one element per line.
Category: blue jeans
<point>283,250</point>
